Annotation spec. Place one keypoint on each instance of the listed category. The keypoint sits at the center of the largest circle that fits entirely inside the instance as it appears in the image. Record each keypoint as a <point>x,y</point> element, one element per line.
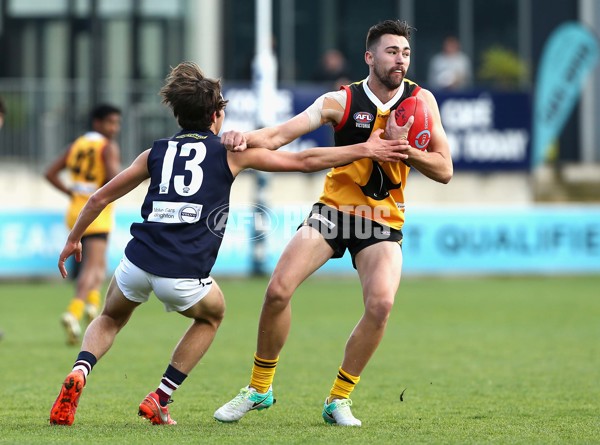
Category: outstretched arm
<point>326,109</point>
<point>319,158</point>
<point>269,137</point>
<point>119,186</point>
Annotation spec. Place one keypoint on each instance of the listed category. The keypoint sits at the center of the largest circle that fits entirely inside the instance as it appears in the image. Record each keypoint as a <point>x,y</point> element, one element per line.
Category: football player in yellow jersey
<point>91,161</point>
<point>361,209</point>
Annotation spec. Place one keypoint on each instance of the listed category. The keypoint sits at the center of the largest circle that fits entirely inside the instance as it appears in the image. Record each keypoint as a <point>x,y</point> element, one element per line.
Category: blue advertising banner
<point>559,85</point>
<point>529,240</point>
<point>487,130</point>
<point>30,242</point>
<point>242,113</point>
<point>495,240</point>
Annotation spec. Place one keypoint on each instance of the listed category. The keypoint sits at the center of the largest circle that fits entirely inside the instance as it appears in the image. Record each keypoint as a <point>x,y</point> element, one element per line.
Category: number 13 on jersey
<point>191,165</point>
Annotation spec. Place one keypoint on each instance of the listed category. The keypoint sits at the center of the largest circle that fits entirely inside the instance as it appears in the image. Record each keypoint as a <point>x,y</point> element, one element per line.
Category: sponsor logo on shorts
<point>322,219</point>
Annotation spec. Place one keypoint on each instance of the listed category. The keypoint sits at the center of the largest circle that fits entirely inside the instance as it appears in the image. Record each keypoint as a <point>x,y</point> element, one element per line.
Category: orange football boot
<point>63,410</point>
<point>151,409</point>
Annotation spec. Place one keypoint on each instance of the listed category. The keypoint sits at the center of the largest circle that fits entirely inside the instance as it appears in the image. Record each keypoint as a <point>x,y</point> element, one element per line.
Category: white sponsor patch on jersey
<point>84,188</point>
<point>175,212</point>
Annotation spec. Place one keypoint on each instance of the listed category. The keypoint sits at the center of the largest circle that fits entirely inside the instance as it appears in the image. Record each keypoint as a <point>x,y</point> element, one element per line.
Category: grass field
<point>481,360</point>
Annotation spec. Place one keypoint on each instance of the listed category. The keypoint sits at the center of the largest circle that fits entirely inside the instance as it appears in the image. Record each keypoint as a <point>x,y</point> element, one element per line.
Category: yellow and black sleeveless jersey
<point>365,187</point>
<point>88,173</point>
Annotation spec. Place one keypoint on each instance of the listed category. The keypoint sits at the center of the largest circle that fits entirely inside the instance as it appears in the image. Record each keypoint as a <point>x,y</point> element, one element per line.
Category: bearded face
<point>391,78</point>
<point>390,60</point>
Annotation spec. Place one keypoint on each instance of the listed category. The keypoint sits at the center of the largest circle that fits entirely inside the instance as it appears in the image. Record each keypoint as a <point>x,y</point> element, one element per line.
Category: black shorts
<point>103,236</point>
<point>347,231</point>
<point>73,266</point>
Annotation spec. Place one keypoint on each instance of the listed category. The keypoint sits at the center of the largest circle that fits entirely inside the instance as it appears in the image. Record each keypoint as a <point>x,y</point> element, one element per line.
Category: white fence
<point>44,116</point>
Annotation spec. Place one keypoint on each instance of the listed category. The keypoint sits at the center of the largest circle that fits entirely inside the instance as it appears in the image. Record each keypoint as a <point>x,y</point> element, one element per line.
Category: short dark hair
<point>102,111</point>
<point>396,27</point>
<point>2,106</point>
<point>192,96</point>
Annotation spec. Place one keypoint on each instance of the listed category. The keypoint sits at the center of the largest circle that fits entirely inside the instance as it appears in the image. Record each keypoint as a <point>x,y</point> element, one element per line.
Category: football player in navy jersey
<point>174,248</point>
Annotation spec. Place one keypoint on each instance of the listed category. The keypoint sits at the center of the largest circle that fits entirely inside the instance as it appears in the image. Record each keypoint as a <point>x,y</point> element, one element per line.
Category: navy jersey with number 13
<point>185,208</point>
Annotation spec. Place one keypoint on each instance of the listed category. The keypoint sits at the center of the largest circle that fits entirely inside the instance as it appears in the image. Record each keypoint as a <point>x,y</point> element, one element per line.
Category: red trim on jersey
<point>416,90</point>
<point>346,108</point>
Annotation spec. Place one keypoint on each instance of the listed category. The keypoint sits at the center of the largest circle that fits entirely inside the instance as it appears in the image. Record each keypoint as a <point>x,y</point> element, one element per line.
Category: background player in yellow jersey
<point>361,209</point>
<point>92,160</point>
